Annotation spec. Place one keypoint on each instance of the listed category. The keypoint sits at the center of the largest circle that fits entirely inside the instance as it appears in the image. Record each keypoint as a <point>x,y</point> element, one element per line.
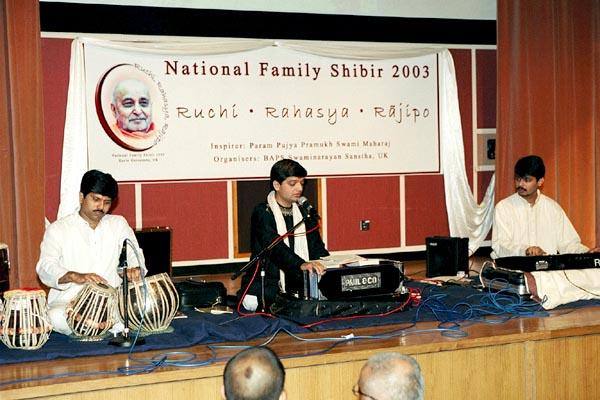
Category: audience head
<point>390,376</point>
<point>254,374</point>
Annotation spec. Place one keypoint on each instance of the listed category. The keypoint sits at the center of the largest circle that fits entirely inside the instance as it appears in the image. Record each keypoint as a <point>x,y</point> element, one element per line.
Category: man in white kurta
<point>85,247</point>
<point>519,225</point>
<point>528,223</point>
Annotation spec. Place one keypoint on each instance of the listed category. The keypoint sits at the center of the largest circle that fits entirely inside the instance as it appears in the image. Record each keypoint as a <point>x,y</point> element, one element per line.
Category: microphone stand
<point>123,339</point>
<point>262,255</point>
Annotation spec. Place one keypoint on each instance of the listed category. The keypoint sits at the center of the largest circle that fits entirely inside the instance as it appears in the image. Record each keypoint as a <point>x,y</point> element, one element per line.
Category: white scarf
<point>300,242</point>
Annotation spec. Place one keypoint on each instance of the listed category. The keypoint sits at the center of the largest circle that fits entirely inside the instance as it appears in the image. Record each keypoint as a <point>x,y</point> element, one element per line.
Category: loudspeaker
<point>156,244</point>
<point>446,256</point>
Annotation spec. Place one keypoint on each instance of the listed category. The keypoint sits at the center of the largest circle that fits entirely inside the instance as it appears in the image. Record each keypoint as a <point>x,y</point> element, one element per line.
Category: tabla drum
<point>91,313</point>
<point>25,323</point>
<point>152,303</point>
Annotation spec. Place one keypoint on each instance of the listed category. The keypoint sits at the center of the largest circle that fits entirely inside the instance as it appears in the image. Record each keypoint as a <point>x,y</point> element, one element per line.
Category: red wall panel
<point>483,178</point>
<point>486,88</point>
<point>463,68</point>
<point>350,200</point>
<point>125,205</point>
<point>425,208</point>
<point>197,214</point>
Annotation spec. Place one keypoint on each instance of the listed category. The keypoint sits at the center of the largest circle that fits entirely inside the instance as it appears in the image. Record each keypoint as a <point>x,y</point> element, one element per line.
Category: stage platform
<point>552,356</point>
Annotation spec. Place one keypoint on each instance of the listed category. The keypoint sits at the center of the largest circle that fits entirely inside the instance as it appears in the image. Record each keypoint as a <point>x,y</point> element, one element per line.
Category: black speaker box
<point>446,256</point>
<point>156,245</point>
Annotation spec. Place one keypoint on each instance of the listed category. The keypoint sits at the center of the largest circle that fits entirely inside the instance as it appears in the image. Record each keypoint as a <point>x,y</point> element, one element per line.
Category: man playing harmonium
<point>528,223</point>
<point>85,247</point>
<point>285,263</point>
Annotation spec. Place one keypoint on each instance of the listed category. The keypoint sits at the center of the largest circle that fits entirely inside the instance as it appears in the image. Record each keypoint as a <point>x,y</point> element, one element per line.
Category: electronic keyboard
<point>554,262</point>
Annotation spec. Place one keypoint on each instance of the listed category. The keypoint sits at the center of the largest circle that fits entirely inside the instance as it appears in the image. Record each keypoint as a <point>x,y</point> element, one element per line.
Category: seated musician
<point>529,223</point>
<point>285,263</point>
<point>85,247</point>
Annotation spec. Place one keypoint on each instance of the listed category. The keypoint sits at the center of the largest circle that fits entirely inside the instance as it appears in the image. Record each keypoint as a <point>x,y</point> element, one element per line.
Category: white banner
<point>178,117</point>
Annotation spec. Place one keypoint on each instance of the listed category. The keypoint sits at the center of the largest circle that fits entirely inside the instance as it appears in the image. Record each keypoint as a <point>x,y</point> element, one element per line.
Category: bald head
<point>254,374</point>
<point>391,376</point>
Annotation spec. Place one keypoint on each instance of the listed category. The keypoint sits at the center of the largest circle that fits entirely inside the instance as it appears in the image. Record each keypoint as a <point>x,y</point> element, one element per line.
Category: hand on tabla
<point>81,278</point>
<point>134,274</point>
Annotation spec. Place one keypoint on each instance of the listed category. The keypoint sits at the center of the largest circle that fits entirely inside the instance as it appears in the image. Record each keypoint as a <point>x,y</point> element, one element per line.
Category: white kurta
<point>518,225</point>
<point>70,244</point>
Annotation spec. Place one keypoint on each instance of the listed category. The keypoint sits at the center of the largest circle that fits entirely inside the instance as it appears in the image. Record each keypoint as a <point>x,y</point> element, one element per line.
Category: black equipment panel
<point>361,281</point>
<point>554,262</point>
<point>156,245</point>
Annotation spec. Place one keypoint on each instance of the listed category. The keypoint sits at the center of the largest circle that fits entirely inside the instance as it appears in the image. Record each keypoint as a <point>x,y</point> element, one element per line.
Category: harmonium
<point>357,279</point>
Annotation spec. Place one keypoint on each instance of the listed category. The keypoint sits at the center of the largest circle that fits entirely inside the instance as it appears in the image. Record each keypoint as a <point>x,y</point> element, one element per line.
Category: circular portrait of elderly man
<point>125,105</point>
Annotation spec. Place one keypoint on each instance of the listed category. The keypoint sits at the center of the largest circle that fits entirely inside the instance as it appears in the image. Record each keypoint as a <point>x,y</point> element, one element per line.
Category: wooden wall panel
<point>8,232</point>
<point>56,55</point>
<point>493,372</point>
<point>23,82</point>
<point>205,389</point>
<point>575,360</point>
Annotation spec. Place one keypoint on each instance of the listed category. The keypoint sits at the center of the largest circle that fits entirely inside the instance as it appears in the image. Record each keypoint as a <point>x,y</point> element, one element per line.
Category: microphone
<point>310,211</point>
<point>123,256</point>
<point>123,339</point>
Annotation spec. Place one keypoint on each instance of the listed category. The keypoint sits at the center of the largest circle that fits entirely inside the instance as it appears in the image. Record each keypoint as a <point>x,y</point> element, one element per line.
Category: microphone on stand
<point>310,211</point>
<point>123,256</point>
<point>123,339</point>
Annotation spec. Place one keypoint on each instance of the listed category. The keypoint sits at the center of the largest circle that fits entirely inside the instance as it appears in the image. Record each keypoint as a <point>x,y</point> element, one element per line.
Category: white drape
<point>465,217</point>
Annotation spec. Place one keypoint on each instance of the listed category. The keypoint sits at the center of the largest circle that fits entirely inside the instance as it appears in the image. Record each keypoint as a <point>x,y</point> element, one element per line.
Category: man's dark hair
<point>95,181</point>
<point>254,374</point>
<point>285,168</point>
<point>530,166</point>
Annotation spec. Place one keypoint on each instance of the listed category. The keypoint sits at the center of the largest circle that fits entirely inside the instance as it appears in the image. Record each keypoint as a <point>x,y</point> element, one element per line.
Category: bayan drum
<point>91,313</point>
<point>152,305</point>
<point>25,322</point>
